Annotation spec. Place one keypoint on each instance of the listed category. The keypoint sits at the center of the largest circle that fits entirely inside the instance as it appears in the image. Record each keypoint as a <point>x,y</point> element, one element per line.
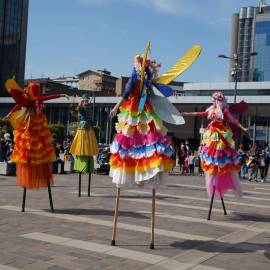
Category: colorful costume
<point>84,145</point>
<point>33,151</point>
<point>219,159</point>
<point>140,150</point>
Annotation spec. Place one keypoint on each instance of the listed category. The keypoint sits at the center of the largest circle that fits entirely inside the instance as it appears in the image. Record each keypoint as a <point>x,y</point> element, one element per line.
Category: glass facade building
<point>261,67</point>
<point>251,33</point>
<point>13,32</point>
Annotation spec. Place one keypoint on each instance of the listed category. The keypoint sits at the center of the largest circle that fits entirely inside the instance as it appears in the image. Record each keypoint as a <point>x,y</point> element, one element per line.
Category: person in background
<point>262,165</point>
<point>173,148</point>
<point>191,162</point>
<point>267,160</point>
<point>186,164</point>
<point>5,145</point>
<point>243,161</point>
<point>253,165</point>
<point>181,157</point>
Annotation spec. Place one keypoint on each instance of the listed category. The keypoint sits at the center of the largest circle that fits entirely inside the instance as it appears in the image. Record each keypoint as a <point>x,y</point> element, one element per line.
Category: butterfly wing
<point>183,64</point>
<point>166,110</point>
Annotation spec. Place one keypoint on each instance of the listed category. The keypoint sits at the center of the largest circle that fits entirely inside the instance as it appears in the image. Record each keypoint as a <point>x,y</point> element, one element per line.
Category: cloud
<point>90,2</point>
<point>165,6</point>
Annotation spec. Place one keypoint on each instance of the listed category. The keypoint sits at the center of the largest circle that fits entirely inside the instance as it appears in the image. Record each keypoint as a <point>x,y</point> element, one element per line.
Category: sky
<point>66,37</point>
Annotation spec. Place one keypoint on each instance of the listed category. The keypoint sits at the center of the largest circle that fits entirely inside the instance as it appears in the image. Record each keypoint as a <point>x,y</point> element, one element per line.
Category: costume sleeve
<point>230,117</point>
<point>202,114</point>
<point>20,98</point>
<point>44,98</point>
<point>130,84</point>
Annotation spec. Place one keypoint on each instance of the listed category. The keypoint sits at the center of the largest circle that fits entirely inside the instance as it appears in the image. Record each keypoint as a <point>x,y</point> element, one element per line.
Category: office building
<point>13,33</point>
<point>251,33</point>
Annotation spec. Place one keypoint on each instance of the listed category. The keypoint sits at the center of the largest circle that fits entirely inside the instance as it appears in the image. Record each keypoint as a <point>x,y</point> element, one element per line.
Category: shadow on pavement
<point>98,212</point>
<point>250,217</point>
<point>223,247</point>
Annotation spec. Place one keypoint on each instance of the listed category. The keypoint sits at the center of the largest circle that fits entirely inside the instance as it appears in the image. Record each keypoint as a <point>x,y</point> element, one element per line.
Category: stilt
<point>211,204</point>
<point>89,184</point>
<point>115,216</point>
<point>223,205</point>
<point>152,246</point>
<point>50,197</point>
<point>23,201</point>
<point>80,184</point>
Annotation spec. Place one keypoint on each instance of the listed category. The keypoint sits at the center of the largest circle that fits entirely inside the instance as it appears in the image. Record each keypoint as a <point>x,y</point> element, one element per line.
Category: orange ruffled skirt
<point>33,152</point>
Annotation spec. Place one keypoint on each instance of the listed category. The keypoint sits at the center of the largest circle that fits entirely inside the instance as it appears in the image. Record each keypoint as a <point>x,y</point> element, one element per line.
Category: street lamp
<point>236,58</point>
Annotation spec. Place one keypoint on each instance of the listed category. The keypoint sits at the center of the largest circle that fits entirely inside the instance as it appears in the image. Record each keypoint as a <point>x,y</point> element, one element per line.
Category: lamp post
<point>236,58</point>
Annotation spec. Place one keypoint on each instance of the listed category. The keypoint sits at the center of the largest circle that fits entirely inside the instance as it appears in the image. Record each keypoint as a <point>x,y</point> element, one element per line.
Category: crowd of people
<point>186,159</point>
<point>254,161</point>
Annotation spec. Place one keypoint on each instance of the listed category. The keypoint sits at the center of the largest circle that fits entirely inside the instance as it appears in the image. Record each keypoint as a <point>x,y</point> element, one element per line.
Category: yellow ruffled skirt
<point>84,143</point>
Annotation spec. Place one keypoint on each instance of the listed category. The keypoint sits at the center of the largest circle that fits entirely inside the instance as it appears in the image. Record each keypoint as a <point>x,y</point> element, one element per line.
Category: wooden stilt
<point>80,184</point>
<point>223,205</point>
<point>152,246</point>
<point>23,201</point>
<point>211,204</point>
<point>89,184</point>
<point>50,197</point>
<point>115,216</point>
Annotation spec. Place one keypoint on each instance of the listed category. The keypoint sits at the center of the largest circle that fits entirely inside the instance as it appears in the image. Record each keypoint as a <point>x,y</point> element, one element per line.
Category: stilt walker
<point>84,145</point>
<point>33,152</point>
<point>140,152</point>
<point>219,159</point>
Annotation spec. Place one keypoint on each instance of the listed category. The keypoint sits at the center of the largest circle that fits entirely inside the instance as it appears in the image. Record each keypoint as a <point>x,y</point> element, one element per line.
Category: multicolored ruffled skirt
<point>84,147</point>
<point>33,152</point>
<point>219,160</point>
<point>140,150</point>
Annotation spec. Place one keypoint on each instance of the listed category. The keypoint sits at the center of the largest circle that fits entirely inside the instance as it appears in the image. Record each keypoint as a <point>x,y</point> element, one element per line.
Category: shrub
<point>58,130</point>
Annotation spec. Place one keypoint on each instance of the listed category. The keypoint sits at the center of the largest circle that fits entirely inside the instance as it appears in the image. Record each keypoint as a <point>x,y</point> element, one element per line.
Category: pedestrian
<point>262,158</point>
<point>186,165</point>
<point>181,157</point>
<point>191,163</point>
<point>253,165</point>
<point>267,161</point>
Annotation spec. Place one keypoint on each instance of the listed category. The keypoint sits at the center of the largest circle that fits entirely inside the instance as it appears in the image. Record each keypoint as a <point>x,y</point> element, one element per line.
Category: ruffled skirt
<point>84,143</point>
<point>33,152</point>
<point>219,160</point>
<point>140,150</point>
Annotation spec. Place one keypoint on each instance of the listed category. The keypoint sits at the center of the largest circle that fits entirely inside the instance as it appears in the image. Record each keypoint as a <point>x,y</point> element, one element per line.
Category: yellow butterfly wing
<point>184,63</point>
<point>12,84</point>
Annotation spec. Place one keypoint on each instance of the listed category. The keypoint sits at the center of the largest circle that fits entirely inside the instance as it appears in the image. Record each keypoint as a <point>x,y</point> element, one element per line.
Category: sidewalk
<point>78,234</point>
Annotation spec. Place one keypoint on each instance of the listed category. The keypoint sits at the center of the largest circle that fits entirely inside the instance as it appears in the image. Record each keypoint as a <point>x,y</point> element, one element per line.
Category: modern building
<point>13,34</point>
<point>251,33</point>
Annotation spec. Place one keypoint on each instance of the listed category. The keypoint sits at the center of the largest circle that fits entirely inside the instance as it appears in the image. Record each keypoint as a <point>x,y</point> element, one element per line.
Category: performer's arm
<point>129,86</point>
<point>201,114</point>
<point>54,96</point>
<point>233,120</point>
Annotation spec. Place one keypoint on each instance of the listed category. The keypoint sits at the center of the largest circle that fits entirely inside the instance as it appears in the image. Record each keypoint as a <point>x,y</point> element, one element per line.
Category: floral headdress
<point>150,63</point>
<point>215,111</point>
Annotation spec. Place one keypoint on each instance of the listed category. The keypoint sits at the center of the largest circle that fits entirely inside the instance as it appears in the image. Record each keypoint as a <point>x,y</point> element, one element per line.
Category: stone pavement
<point>78,234</point>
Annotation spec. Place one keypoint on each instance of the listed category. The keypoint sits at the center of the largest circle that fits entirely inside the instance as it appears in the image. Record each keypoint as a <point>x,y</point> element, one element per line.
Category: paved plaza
<point>78,235</point>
